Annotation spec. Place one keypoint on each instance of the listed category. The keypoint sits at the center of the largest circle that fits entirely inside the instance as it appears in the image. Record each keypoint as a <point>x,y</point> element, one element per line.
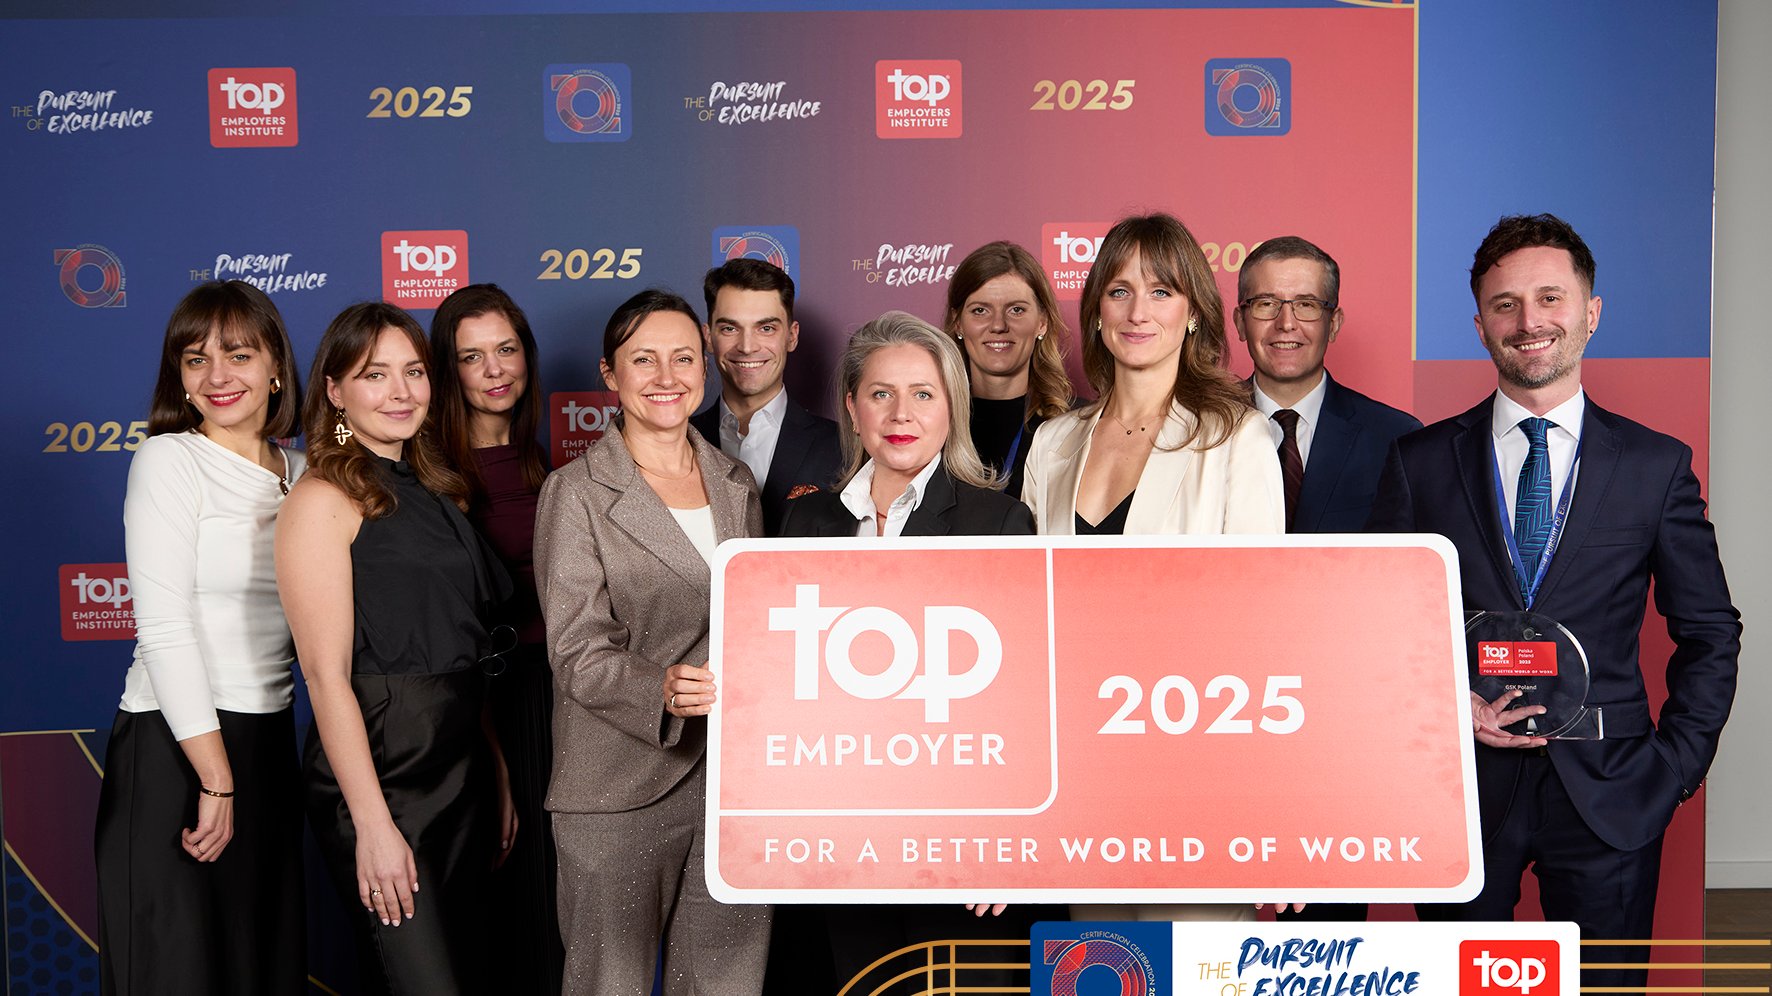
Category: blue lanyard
<point>1529,589</point>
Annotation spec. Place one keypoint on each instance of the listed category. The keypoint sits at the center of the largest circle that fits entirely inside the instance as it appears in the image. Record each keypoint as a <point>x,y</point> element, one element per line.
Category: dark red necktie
<point>1291,462</point>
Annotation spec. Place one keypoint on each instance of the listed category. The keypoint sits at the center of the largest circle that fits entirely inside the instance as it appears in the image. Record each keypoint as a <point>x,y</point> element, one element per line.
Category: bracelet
<point>212,793</point>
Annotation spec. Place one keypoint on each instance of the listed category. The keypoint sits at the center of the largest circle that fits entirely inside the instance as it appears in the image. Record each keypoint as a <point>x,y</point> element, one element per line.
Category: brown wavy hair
<point>1049,385</point>
<point>244,316</point>
<point>449,405</point>
<point>1171,256</point>
<point>343,352</point>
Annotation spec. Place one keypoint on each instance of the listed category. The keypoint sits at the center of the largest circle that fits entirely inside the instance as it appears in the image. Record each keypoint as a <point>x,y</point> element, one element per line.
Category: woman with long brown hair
<point>487,400</point>
<point>385,584</point>
<point>1171,446</point>
<point>1002,311</point>
<point>199,823</point>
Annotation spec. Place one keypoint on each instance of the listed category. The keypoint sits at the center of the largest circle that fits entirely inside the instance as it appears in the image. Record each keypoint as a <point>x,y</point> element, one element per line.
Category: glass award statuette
<point>1535,655</point>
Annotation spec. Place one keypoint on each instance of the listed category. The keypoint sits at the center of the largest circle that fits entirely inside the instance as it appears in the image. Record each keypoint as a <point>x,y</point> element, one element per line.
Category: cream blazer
<point>1234,487</point>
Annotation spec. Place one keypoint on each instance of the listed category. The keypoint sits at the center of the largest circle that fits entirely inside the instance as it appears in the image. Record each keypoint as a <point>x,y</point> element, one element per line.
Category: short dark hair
<point>749,274</point>
<point>1292,247</point>
<point>244,316</point>
<point>1527,231</point>
<point>630,313</point>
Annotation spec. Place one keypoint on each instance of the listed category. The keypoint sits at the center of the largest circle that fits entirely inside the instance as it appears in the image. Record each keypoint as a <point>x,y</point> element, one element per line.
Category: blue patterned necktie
<point>1532,501</point>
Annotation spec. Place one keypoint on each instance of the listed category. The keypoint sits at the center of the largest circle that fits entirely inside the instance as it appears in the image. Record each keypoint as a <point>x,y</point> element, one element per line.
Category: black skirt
<point>430,754</point>
<point>169,923</point>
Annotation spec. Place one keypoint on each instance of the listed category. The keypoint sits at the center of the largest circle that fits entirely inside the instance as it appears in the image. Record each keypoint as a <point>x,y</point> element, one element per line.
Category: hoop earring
<point>341,431</point>
<point>276,385</point>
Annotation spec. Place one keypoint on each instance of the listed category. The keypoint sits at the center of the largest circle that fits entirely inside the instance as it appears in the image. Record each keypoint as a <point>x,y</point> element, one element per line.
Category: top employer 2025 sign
<point>1218,719</point>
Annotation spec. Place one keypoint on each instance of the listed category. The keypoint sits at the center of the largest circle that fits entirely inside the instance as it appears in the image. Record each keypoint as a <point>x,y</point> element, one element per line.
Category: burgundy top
<point>506,517</point>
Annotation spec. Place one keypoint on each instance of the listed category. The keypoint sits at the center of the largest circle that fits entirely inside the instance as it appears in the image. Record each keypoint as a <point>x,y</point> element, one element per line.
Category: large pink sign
<point>1217,719</point>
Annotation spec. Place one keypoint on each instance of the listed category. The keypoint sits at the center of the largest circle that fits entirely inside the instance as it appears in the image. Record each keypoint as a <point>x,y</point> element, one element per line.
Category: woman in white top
<point>1171,446</point>
<point>199,820</point>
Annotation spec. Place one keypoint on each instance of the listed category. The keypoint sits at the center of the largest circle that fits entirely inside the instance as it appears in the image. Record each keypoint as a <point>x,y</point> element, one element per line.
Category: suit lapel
<point>1600,453</point>
<point>1474,455</point>
<point>640,513</point>
<point>784,465</point>
<point>1331,442</point>
<point>932,513</point>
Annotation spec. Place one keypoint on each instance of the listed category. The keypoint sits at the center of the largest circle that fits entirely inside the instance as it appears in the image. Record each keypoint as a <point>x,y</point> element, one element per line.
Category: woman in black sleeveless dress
<point>385,582</point>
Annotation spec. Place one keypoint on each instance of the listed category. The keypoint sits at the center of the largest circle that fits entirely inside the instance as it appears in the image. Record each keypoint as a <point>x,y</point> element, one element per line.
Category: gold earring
<point>187,397</point>
<point>1193,324</point>
<point>276,385</point>
<point>341,431</point>
<point>1098,325</point>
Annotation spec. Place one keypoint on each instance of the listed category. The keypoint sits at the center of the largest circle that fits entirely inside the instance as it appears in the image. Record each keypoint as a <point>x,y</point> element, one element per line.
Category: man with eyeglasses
<point>1331,439</point>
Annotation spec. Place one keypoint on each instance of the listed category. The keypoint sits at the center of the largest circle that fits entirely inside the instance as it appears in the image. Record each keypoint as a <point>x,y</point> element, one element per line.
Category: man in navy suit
<point>1332,439</point>
<point>751,330</point>
<point>1597,507</point>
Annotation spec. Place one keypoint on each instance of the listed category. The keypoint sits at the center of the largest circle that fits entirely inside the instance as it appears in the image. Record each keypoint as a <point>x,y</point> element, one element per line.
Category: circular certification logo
<point>1249,97</point>
<point>74,262</point>
<point>1116,961</point>
<point>602,103</point>
<point>757,245</point>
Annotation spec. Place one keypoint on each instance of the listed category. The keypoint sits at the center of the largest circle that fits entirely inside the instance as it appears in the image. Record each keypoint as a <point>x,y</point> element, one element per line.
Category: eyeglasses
<point>1305,309</point>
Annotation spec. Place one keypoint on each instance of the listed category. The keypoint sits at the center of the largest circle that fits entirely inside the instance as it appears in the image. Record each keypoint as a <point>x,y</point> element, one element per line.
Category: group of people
<point>508,667</point>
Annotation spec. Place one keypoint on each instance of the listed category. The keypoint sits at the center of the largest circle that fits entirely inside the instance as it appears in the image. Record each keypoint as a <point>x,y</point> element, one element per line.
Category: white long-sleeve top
<point>198,524</point>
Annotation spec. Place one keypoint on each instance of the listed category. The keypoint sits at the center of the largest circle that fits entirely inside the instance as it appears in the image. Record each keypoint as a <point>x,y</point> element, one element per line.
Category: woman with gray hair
<point>910,469</point>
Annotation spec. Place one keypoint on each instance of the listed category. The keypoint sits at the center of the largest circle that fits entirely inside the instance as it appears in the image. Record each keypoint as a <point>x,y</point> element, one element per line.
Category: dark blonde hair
<point>1049,385</point>
<point>344,350</point>
<point>242,315</point>
<point>897,328</point>
<point>1169,255</point>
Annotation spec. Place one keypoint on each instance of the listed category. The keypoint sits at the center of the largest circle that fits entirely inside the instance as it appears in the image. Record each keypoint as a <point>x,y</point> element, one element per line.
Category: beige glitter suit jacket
<point>625,596</point>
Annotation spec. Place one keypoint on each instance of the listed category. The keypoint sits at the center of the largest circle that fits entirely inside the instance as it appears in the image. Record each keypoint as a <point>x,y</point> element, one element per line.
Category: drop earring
<point>276,385</point>
<point>341,431</point>
<point>1193,324</point>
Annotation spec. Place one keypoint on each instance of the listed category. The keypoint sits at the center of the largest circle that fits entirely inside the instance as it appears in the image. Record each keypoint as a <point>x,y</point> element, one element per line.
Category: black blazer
<point>1636,516</point>
<point>806,453</point>
<point>1348,446</point>
<point>948,509</point>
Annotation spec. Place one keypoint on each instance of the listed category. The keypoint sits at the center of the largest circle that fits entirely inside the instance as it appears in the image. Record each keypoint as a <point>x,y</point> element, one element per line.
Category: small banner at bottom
<point>1305,959</point>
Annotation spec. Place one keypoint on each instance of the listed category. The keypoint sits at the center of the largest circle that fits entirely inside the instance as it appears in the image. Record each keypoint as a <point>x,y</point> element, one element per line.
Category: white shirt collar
<point>770,413</point>
<point>1308,408</point>
<point>858,498</point>
<point>1567,416</point>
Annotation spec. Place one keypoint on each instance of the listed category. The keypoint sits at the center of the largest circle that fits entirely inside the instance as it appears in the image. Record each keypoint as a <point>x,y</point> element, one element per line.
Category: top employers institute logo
<point>917,98</point>
<point>587,102</point>
<point>252,108</point>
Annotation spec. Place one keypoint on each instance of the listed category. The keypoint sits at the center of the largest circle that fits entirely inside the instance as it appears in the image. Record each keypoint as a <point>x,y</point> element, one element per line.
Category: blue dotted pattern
<point>43,956</point>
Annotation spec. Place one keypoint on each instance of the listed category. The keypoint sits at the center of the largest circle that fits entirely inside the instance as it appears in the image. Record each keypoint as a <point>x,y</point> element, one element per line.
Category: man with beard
<point>1562,508</point>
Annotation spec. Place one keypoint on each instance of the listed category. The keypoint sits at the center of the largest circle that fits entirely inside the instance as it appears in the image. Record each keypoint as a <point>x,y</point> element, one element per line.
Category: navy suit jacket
<point>1636,516</point>
<point>1348,446</point>
<point>949,508</point>
<point>806,453</point>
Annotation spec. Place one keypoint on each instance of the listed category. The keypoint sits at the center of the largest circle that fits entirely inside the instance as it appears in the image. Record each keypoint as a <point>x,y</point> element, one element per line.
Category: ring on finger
<point>375,892</point>
<point>673,701</point>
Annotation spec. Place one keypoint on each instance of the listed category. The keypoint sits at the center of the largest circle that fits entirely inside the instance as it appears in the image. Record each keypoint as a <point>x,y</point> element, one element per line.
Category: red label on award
<point>1517,658</point>
<point>1052,719</point>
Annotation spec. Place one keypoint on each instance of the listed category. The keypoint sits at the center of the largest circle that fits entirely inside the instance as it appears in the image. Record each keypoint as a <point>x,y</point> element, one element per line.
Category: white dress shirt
<point>198,528</point>
<point>1511,444</point>
<point>1309,409</point>
<point>858,498</point>
<point>756,448</point>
